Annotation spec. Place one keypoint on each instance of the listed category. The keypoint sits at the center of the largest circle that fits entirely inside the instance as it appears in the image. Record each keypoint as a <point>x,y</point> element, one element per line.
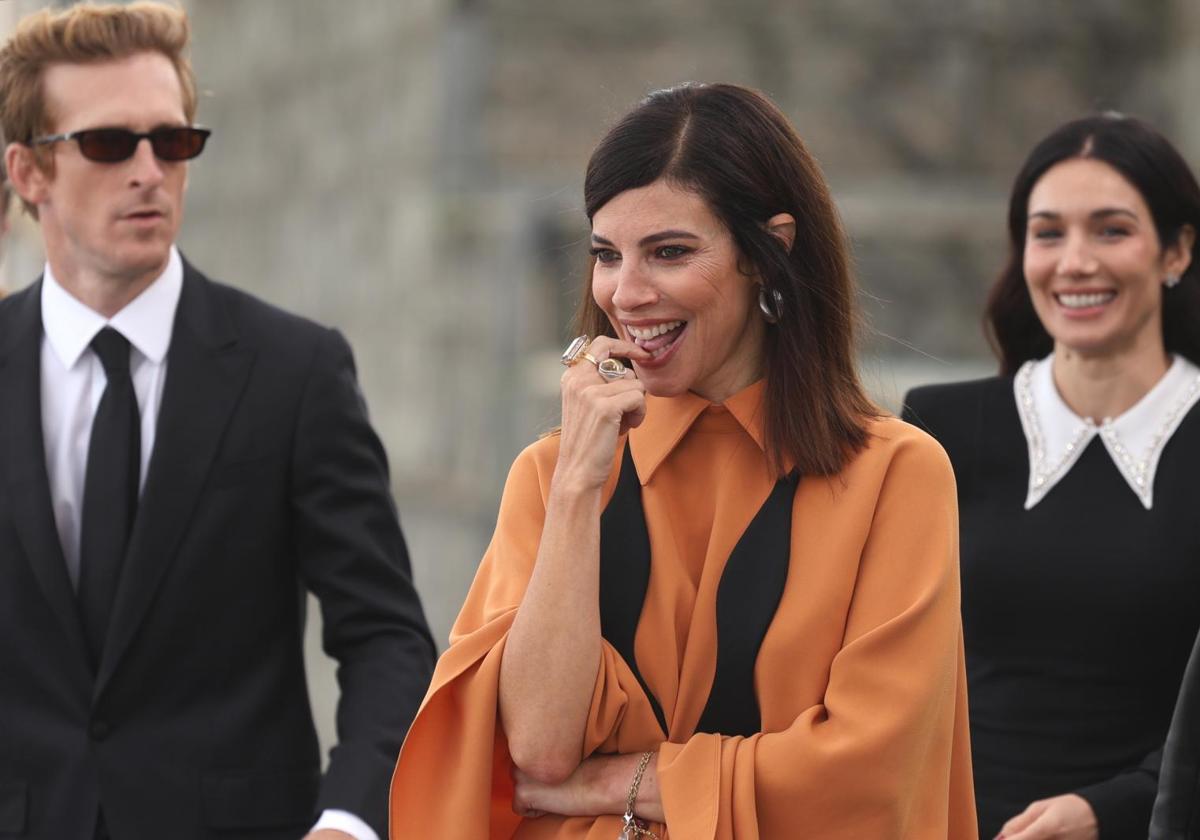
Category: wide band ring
<point>575,350</point>
<point>611,369</point>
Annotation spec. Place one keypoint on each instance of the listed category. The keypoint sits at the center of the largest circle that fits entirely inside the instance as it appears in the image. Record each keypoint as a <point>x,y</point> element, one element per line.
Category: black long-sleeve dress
<point>1079,613</point>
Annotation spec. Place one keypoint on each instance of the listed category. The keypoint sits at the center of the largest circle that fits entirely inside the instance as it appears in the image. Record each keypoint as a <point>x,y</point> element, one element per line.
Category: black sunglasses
<point>112,145</point>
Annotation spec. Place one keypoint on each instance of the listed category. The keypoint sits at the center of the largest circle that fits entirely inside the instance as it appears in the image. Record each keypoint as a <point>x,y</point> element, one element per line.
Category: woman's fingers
<point>633,410</point>
<point>1066,817</point>
<point>1023,820</point>
<point>597,409</point>
<point>604,346</point>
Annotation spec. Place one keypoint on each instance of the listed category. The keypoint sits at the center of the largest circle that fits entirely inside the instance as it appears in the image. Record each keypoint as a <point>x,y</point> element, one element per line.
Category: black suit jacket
<point>265,480</point>
<point>1177,809</point>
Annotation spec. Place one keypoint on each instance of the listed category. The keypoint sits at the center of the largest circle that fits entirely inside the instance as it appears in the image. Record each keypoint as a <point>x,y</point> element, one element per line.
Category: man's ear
<point>783,227</point>
<point>29,180</point>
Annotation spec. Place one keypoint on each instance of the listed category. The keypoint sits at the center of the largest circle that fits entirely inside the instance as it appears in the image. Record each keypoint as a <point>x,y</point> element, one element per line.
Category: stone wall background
<point>410,172</point>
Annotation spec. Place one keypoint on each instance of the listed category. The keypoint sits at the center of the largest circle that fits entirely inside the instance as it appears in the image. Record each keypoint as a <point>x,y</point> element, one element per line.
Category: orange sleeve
<point>886,753</point>
<point>453,773</point>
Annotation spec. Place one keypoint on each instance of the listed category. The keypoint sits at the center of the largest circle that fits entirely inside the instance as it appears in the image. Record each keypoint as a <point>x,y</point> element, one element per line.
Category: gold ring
<point>586,355</point>
<point>611,369</point>
<point>575,350</point>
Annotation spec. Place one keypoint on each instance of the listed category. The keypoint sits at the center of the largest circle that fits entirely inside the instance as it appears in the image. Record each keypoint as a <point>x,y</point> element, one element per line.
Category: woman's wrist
<point>648,803</point>
<point>569,486</point>
<point>613,775</point>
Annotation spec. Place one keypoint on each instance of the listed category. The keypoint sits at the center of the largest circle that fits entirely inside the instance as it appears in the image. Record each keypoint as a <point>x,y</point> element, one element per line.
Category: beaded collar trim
<point>1056,436</point>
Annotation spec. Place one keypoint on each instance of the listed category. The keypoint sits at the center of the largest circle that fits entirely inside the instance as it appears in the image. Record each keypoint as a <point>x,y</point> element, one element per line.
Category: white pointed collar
<point>1056,436</point>
<point>146,321</point>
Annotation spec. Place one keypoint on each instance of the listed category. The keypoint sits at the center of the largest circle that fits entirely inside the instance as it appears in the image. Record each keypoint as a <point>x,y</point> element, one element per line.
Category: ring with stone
<point>611,369</point>
<point>575,350</point>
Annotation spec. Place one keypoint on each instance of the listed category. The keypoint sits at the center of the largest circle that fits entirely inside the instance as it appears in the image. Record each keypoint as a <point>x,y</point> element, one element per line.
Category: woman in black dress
<point>1076,468</point>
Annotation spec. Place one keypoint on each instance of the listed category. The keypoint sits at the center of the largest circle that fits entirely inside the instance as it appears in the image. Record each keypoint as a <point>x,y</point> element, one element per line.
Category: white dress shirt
<point>72,382</point>
<point>1056,436</point>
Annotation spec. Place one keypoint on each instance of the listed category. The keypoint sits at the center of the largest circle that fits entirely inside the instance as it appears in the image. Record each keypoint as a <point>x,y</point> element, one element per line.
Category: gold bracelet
<point>634,827</point>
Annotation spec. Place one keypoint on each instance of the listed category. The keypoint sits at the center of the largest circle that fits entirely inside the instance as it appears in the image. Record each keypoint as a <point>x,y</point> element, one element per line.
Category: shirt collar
<point>1056,436</point>
<point>146,321</point>
<point>668,419</point>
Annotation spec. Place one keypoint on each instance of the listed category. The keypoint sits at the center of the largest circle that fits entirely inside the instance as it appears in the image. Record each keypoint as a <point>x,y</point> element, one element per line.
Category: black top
<point>748,597</point>
<point>1078,614</point>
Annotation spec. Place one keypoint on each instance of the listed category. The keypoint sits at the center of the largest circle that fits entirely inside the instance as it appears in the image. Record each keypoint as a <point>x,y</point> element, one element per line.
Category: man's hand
<point>1067,817</point>
<point>328,834</point>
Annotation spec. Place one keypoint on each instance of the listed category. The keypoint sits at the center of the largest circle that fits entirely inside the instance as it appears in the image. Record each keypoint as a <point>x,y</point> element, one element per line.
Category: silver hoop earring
<point>1171,280</point>
<point>770,315</point>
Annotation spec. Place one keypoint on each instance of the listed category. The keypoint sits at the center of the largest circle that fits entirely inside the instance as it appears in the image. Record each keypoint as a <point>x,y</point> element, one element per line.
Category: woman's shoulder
<point>956,397</point>
<point>889,438</point>
<point>895,452</point>
<point>533,467</point>
<point>955,412</point>
<point>542,453</point>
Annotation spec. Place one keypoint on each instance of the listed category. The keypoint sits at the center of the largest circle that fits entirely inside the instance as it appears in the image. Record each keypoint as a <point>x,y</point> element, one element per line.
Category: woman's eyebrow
<point>652,238</point>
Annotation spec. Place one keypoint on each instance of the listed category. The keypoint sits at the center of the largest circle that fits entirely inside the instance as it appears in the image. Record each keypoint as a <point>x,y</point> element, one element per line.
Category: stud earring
<point>770,312</point>
<point>1171,281</point>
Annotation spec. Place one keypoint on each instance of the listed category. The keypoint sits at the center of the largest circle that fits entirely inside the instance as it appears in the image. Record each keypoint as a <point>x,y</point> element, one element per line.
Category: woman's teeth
<point>657,338</point>
<point>1082,301</point>
<point>647,333</point>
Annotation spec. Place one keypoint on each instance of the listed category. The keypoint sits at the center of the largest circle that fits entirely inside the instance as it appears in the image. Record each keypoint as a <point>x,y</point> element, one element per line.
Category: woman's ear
<point>783,227</point>
<point>1178,255</point>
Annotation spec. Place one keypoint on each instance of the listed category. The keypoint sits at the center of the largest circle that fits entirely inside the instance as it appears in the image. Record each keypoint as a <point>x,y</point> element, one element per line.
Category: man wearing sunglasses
<point>178,463</point>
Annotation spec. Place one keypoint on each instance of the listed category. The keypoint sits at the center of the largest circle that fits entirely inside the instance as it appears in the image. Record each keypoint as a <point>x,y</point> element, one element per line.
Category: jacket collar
<point>209,367</point>
<point>668,420</point>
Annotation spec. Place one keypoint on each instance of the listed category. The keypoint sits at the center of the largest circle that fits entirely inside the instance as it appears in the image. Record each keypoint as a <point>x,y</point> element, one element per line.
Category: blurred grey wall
<point>410,173</point>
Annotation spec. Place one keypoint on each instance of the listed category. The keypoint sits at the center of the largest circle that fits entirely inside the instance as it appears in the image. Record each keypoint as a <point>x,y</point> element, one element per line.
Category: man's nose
<point>145,167</point>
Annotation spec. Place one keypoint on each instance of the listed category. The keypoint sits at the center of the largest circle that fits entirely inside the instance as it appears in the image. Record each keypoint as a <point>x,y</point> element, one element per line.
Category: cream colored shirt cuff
<point>347,822</point>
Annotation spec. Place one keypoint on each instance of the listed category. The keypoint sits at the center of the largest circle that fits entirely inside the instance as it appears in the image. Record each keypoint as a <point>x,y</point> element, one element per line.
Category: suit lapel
<point>24,453</point>
<point>206,374</point>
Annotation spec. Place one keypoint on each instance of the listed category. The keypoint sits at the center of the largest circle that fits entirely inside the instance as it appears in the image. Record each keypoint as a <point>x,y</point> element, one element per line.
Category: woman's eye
<point>671,252</point>
<point>1114,232</point>
<point>1045,234</point>
<point>604,255</point>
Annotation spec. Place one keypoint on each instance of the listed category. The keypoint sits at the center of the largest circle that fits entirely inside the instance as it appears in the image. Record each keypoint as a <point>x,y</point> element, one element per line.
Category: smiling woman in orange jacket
<point>721,602</point>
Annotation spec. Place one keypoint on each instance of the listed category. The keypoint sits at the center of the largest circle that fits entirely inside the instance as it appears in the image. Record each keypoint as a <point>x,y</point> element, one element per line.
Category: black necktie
<point>110,490</point>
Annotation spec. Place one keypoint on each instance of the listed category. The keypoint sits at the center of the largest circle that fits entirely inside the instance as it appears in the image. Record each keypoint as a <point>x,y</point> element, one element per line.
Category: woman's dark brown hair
<point>1159,173</point>
<point>734,148</point>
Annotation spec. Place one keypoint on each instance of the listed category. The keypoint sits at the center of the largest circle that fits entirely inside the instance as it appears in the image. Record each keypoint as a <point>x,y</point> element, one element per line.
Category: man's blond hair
<point>80,35</point>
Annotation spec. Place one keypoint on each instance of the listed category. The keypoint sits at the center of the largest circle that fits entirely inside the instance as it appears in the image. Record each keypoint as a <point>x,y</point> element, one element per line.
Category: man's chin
<point>146,264</point>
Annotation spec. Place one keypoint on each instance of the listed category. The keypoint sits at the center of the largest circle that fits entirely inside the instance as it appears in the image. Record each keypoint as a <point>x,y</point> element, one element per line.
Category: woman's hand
<point>553,651</point>
<point>599,786</point>
<point>595,413</point>
<point>1067,817</point>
